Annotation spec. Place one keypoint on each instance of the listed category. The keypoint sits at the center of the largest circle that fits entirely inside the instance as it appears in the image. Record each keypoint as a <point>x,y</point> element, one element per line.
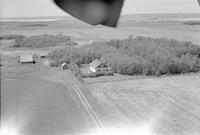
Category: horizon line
<point>121,15</point>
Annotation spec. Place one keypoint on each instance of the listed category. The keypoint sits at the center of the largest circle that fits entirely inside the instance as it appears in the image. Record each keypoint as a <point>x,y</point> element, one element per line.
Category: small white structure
<point>64,66</point>
<point>97,65</point>
<point>25,59</point>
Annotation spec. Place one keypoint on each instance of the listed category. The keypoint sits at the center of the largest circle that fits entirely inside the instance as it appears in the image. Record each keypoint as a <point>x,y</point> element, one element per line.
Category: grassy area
<point>136,56</point>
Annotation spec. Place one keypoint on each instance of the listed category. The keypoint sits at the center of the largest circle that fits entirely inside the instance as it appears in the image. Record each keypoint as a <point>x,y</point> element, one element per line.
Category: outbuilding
<point>43,55</point>
<point>64,66</point>
<point>97,65</point>
<point>26,59</point>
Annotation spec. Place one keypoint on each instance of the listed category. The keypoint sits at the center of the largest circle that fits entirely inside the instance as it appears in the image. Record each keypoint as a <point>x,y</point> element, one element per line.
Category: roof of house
<point>64,64</point>
<point>26,58</point>
<point>95,63</point>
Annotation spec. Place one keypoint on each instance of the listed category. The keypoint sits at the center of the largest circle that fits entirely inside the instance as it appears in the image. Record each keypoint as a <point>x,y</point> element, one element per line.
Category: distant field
<point>154,25</point>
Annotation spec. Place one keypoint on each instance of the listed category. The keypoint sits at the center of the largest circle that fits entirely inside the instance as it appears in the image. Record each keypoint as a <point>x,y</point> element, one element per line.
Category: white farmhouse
<point>98,66</point>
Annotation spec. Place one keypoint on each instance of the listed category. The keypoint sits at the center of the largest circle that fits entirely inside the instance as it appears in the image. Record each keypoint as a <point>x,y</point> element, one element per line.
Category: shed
<point>43,55</point>
<point>97,65</point>
<point>25,59</point>
<point>64,66</point>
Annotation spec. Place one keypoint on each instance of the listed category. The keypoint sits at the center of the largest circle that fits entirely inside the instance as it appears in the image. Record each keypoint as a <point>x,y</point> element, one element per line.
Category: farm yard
<point>89,78</point>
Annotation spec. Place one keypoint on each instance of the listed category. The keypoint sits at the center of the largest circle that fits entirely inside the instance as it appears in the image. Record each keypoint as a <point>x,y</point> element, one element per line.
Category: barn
<point>26,59</point>
<point>97,65</point>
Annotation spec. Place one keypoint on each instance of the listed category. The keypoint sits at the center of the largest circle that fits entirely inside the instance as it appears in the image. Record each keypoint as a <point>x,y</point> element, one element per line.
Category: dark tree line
<point>136,56</point>
<point>40,41</point>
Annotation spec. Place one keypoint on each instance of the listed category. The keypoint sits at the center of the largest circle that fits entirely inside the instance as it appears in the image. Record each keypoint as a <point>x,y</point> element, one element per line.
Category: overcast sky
<point>29,8</point>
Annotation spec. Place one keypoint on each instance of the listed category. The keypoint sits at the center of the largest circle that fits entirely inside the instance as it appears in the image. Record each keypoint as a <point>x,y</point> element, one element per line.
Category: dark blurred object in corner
<point>105,12</point>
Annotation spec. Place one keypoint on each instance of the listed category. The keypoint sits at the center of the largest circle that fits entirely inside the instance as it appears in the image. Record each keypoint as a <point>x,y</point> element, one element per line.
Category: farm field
<point>160,106</point>
<point>153,25</point>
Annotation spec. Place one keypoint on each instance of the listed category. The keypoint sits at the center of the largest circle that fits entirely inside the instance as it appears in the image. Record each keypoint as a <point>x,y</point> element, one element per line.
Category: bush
<point>83,55</point>
<point>75,69</point>
<point>53,63</point>
<point>97,74</point>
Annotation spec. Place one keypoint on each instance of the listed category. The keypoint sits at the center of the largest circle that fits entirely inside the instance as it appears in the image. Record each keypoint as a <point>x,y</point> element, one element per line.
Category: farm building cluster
<point>98,66</point>
<point>95,68</point>
<point>31,59</point>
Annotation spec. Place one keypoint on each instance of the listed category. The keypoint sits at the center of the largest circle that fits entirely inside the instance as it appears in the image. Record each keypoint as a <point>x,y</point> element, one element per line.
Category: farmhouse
<point>64,66</point>
<point>26,59</point>
<point>97,65</point>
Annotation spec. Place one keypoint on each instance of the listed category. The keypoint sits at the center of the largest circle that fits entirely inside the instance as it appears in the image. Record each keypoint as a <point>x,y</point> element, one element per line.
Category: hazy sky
<point>27,8</point>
